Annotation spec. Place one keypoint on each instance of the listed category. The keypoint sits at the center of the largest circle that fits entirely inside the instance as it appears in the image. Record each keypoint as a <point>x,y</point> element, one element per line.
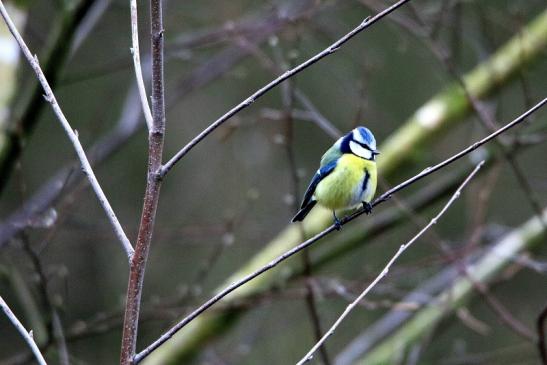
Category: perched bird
<point>346,177</point>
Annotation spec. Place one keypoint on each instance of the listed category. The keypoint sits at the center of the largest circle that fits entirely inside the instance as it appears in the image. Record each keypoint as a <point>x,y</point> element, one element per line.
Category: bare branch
<point>68,25</point>
<point>499,309</point>
<point>13,319</point>
<point>484,117</point>
<point>129,121</point>
<point>152,194</point>
<point>137,63</point>
<point>72,134</point>
<point>384,272</point>
<point>322,122</point>
<point>382,198</point>
<point>263,90</point>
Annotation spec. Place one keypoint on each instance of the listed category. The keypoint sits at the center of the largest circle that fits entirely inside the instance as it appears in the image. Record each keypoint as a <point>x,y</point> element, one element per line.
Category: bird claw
<point>367,208</point>
<point>337,223</point>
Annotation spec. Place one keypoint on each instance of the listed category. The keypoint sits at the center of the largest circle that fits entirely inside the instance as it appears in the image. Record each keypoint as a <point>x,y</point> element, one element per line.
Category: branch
<point>322,122</point>
<point>128,123</point>
<point>260,92</point>
<point>476,232</point>
<point>152,193</point>
<point>72,135</point>
<point>25,113</point>
<point>137,64</point>
<point>384,272</point>
<point>27,336</point>
<point>435,117</point>
<point>422,296</point>
<point>68,178</point>
<point>455,296</point>
<point>384,197</point>
<point>484,117</point>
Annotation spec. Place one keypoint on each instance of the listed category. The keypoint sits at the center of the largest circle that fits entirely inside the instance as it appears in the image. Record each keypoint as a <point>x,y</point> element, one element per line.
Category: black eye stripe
<point>363,145</point>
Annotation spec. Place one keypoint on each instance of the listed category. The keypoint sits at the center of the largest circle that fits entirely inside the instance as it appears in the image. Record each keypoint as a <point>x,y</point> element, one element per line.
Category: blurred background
<point>61,267</point>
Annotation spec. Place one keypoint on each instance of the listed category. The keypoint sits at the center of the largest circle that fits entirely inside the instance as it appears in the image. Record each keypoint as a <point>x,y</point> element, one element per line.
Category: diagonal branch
<point>322,122</point>
<point>26,109</point>
<point>286,75</point>
<point>72,134</point>
<point>26,335</point>
<point>382,198</point>
<point>485,118</point>
<point>435,117</point>
<point>457,294</point>
<point>384,272</point>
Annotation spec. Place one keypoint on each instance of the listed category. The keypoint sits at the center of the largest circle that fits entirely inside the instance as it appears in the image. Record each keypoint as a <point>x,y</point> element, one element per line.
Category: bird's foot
<point>337,223</point>
<point>367,207</point>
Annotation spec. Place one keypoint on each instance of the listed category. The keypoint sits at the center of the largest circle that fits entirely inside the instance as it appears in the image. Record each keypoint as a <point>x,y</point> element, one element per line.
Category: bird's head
<point>360,142</point>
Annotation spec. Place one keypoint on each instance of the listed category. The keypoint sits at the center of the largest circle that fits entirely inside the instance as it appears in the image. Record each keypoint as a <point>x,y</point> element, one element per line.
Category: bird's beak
<point>375,152</point>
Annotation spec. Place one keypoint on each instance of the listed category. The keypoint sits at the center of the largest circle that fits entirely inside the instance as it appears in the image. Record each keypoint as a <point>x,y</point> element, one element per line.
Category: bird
<point>346,178</point>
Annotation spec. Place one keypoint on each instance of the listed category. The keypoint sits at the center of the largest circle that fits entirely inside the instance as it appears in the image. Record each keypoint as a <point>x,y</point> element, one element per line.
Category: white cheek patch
<point>362,152</point>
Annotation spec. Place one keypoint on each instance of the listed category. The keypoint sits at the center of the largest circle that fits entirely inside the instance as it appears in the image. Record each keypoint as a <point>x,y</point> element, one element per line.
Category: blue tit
<point>346,177</point>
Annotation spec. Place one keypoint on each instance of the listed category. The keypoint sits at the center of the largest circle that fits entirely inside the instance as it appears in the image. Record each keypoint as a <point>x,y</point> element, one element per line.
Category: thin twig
<point>104,322</point>
<point>72,134</point>
<point>263,90</point>
<point>56,52</point>
<point>152,194</point>
<point>129,122</point>
<point>384,272</point>
<point>319,119</point>
<point>503,313</point>
<point>26,335</point>
<point>382,198</point>
<point>420,30</point>
<point>137,63</point>
<point>484,117</point>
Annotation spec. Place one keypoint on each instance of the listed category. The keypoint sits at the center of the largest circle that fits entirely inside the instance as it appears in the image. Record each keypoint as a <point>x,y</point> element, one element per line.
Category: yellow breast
<point>343,187</point>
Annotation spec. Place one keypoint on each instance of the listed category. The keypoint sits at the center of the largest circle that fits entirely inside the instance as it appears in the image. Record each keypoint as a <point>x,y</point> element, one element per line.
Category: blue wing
<point>319,175</point>
<point>308,203</point>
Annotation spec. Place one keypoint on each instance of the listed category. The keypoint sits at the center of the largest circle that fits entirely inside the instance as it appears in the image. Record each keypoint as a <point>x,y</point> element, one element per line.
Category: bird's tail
<point>302,213</point>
